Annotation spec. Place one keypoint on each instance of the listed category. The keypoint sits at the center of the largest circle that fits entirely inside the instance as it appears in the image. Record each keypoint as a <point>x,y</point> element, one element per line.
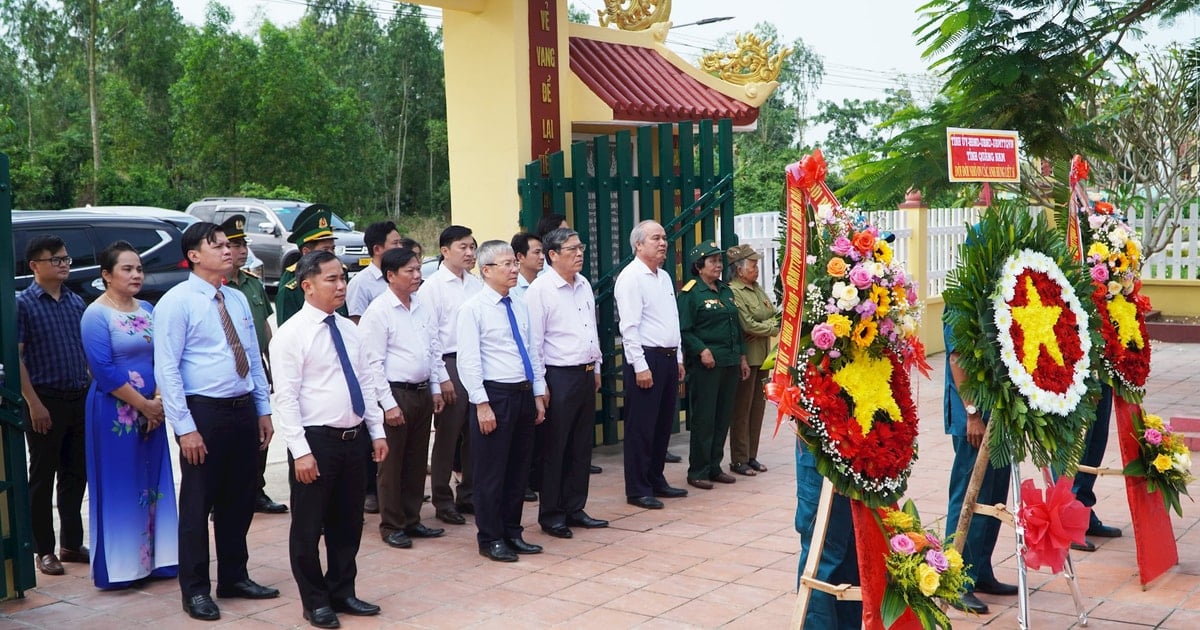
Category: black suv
<point>87,233</point>
<point>268,225</point>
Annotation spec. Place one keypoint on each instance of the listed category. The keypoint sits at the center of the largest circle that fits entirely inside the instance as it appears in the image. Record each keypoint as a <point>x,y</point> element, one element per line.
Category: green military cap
<point>741,252</point>
<point>703,250</point>
<point>234,227</point>
<point>315,223</point>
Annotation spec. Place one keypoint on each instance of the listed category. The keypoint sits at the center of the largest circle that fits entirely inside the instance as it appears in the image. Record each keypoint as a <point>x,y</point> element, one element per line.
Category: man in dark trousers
<point>328,416</point>
<point>260,305</point>
<point>649,316</point>
<point>54,382</point>
<point>562,311</point>
<point>215,394</point>
<point>505,382</point>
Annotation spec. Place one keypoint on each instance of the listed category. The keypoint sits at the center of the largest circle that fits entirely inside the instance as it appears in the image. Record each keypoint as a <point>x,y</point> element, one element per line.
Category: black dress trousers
<point>501,461</point>
<point>221,485</point>
<point>567,452</point>
<point>58,453</point>
<point>333,505</point>
<point>648,415</point>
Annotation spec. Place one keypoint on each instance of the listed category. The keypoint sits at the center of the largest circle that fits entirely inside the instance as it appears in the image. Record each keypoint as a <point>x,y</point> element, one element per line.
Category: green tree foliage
<point>578,15</point>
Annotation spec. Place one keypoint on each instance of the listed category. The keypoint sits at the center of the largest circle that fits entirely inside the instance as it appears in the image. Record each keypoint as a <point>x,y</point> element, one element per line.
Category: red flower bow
<point>812,169</point>
<point>1051,523</point>
<point>1079,169</point>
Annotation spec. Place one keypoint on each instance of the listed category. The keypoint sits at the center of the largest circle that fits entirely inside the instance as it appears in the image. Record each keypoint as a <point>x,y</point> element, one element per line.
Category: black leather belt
<point>344,435</point>
<point>244,400</point>
<point>586,367</point>
<point>409,387</point>
<point>65,394</point>
<point>667,351</point>
<point>511,387</point>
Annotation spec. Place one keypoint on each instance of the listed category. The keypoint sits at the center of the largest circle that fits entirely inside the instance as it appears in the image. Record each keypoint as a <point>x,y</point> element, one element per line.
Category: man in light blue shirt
<point>215,394</point>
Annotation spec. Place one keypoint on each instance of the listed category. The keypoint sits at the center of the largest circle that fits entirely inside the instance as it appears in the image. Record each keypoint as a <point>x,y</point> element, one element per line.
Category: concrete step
<point>1189,428</point>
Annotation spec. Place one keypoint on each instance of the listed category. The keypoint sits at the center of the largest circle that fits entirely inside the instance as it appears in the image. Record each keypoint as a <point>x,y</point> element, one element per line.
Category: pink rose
<point>1100,272</point>
<point>823,336</point>
<point>861,277</point>
<point>842,246</point>
<point>1153,437</point>
<point>937,560</point>
<point>933,541</point>
<point>903,544</point>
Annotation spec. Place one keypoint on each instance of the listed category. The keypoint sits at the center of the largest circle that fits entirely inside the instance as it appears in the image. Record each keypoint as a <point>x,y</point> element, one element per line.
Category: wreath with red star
<point>1018,306</point>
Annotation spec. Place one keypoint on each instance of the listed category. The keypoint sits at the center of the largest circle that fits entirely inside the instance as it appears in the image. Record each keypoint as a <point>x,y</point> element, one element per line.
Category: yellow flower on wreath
<point>899,519</point>
<point>1153,422</point>
<point>840,324</point>
<point>928,579</point>
<point>1132,249</point>
<point>1120,262</point>
<point>883,252</point>
<point>1162,463</point>
<point>901,295</point>
<point>1098,249</point>
<point>882,299</point>
<point>953,558</point>
<point>864,333</point>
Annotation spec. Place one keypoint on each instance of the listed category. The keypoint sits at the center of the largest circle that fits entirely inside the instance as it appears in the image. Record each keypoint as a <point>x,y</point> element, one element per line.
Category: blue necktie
<point>512,323</point>
<point>356,397</point>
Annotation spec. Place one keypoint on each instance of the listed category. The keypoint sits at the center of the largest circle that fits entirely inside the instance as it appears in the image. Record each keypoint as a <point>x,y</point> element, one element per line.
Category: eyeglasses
<point>582,247</point>
<point>55,260</point>
<point>511,264</point>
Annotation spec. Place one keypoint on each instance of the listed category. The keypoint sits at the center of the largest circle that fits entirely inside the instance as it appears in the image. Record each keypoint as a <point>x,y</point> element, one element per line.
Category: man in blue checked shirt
<point>209,371</point>
<point>54,383</point>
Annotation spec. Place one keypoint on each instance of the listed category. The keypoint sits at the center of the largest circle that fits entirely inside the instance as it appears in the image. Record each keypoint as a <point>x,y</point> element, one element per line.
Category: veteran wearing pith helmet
<point>715,357</point>
<point>760,321</point>
<point>312,231</point>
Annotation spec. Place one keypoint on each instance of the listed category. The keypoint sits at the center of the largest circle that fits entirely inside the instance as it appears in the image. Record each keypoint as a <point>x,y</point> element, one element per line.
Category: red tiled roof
<point>640,84</point>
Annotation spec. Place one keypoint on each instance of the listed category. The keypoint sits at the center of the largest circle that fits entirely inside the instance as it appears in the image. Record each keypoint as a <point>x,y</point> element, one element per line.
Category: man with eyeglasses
<point>54,382</point>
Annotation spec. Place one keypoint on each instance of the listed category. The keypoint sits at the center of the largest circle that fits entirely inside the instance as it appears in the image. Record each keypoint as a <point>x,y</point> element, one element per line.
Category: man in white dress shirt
<point>645,297</point>
<point>562,311</point>
<point>505,382</point>
<point>369,283</point>
<point>530,260</point>
<point>326,406</point>
<point>444,292</point>
<point>403,346</point>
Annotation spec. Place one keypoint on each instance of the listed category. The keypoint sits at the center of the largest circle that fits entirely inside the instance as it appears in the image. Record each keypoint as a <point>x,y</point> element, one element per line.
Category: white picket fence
<point>947,230</point>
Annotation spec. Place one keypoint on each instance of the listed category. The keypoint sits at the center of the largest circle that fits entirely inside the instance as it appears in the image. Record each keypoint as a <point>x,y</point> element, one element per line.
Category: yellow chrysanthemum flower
<point>1098,249</point>
<point>928,579</point>
<point>898,519</point>
<point>1153,422</point>
<point>864,333</point>
<point>901,295</point>
<point>953,558</point>
<point>883,252</point>
<point>1132,249</point>
<point>1162,463</point>
<point>840,323</point>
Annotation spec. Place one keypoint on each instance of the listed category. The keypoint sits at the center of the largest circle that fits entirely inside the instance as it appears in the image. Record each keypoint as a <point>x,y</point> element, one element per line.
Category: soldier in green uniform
<point>260,309</point>
<point>715,359</point>
<point>312,230</point>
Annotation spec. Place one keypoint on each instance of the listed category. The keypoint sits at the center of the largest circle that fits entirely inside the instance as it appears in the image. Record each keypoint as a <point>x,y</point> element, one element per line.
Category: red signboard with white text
<point>982,155</point>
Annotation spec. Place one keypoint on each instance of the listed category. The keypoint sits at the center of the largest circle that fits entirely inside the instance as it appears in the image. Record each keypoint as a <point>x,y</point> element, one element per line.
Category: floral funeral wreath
<point>1026,340</point>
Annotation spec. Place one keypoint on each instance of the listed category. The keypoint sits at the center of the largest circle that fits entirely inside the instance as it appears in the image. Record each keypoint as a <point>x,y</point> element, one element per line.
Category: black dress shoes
<point>530,495</point>
<point>247,589</point>
<point>201,607</point>
<point>1087,545</point>
<point>595,470</point>
<point>371,504</point>
<point>581,519</point>
<point>399,540</point>
<point>354,606</point>
<point>672,458</point>
<point>992,587</point>
<point>558,531</point>
<point>1096,528</point>
<point>649,503</point>
<point>465,508</point>
<point>421,531</point>
<point>49,564</point>
<point>265,505</point>
<point>972,604</point>
<point>498,551</point>
<point>520,546</point>
<point>83,556</point>
<point>670,493</point>
<point>451,516</point>
<point>322,617</point>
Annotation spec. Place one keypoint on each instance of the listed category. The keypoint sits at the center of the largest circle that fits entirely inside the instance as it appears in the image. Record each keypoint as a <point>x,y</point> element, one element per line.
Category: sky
<point>867,46</point>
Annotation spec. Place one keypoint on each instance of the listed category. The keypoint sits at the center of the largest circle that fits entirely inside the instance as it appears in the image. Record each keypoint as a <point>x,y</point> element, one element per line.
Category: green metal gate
<point>678,174</point>
<point>16,548</point>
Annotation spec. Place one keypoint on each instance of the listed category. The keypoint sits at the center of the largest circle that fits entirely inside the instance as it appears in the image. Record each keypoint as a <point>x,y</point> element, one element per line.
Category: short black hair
<point>408,243</point>
<point>549,222</point>
<point>520,242</point>
<point>109,255</point>
<point>195,234</point>
<point>452,234</point>
<point>394,259</point>
<point>310,263</point>
<point>44,243</point>
<point>376,234</point>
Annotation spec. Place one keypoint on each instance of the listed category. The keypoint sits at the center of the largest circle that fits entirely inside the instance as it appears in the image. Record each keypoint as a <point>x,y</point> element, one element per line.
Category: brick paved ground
<point>719,558</point>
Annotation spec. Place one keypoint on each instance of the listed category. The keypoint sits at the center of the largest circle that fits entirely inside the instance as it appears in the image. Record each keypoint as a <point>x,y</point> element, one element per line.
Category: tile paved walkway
<point>720,558</point>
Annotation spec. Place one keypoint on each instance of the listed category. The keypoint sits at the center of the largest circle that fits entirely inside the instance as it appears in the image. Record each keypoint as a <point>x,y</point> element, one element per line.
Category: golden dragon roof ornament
<point>751,63</point>
<point>638,16</point>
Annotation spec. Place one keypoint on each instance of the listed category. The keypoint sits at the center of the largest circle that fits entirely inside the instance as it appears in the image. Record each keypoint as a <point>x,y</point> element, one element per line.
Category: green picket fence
<point>678,174</point>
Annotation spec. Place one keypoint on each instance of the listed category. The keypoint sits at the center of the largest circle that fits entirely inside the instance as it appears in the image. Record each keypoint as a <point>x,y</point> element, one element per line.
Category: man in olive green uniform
<point>260,309</point>
<point>760,322</point>
<point>715,359</point>
<point>312,230</point>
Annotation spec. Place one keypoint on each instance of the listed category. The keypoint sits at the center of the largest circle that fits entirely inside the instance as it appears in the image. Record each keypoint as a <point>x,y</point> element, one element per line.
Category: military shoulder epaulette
<point>250,273</point>
<point>291,286</point>
<point>688,287</point>
<point>291,267</point>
